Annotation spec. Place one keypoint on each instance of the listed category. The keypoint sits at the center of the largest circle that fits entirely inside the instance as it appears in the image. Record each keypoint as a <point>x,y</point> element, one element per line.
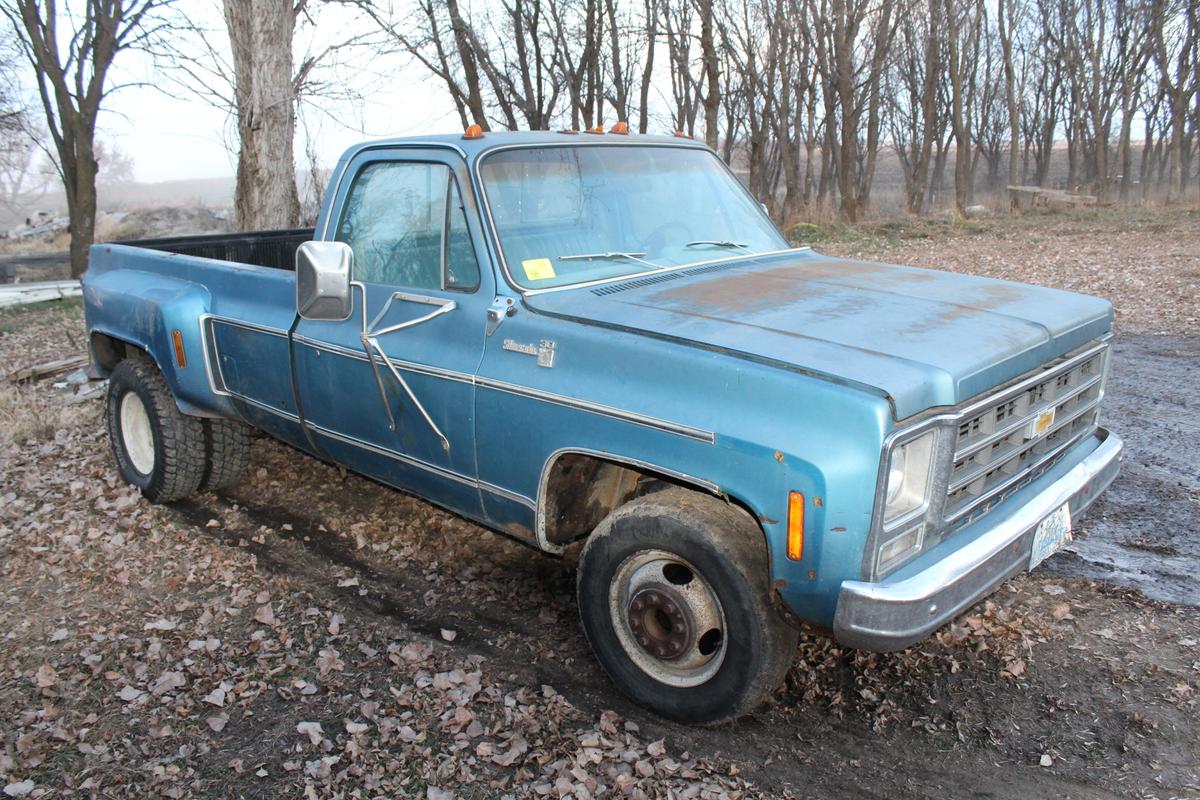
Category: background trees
<point>70,51</point>
<point>804,96</point>
<point>810,100</point>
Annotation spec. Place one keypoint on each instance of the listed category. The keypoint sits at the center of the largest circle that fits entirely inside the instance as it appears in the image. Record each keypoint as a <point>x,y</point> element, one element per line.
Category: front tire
<point>675,600</point>
<point>158,449</point>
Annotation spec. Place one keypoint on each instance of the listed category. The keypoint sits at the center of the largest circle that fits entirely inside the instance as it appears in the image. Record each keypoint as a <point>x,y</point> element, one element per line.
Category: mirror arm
<point>370,343</point>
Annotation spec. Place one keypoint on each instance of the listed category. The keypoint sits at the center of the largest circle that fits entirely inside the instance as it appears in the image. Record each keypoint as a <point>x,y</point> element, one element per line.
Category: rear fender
<point>143,310</point>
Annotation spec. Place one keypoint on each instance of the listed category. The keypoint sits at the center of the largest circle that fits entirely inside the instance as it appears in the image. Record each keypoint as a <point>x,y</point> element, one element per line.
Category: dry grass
<point>30,414</point>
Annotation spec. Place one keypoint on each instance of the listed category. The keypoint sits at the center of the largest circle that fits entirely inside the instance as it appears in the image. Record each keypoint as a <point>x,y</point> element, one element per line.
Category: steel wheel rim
<point>137,436</point>
<point>682,646</point>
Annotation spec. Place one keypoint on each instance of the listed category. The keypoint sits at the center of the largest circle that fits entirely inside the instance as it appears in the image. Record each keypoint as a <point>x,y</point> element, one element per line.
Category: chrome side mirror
<point>323,280</point>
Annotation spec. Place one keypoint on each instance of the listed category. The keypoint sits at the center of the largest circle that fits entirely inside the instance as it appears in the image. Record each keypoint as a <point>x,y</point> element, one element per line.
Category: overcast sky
<point>170,134</point>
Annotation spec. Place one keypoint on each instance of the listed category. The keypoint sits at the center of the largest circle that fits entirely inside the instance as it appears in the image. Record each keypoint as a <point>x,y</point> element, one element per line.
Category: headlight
<point>908,477</point>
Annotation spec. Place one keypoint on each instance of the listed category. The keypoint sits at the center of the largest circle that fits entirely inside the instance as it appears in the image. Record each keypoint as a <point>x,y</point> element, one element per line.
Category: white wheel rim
<point>136,433</point>
<point>648,573</point>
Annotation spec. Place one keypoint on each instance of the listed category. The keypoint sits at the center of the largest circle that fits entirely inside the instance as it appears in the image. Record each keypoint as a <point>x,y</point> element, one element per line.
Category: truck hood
<point>923,338</point>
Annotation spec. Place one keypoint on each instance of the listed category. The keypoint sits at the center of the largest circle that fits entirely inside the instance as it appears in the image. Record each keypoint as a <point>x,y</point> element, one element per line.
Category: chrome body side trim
<point>397,456</point>
<point>543,484</point>
<point>407,366</point>
<point>890,615</point>
<point>279,412</point>
<point>209,355</point>
<point>708,437</point>
<point>538,506</point>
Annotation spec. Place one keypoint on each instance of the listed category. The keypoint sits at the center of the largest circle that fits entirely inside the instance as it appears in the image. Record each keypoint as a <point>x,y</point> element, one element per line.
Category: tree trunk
<point>260,35</point>
<point>712,76</point>
<point>462,41</point>
<point>81,201</point>
<point>1006,17</point>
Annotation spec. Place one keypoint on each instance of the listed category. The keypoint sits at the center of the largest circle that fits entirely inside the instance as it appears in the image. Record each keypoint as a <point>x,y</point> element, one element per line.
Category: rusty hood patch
<point>923,337</point>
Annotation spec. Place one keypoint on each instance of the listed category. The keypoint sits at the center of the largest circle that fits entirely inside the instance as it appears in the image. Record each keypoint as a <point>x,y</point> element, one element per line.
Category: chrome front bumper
<point>892,614</point>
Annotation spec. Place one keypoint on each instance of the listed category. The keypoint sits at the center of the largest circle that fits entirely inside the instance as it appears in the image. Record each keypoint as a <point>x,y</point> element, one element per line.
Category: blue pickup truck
<point>601,338</point>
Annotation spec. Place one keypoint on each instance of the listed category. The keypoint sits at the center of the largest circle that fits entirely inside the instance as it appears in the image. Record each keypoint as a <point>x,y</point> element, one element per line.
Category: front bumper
<point>890,615</point>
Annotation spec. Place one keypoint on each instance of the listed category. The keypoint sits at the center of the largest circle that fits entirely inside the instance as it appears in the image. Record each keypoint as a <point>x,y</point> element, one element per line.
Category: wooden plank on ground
<point>48,369</point>
<point>19,294</point>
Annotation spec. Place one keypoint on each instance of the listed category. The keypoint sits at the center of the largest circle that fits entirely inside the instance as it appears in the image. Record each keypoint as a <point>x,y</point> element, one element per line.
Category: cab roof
<point>490,140</point>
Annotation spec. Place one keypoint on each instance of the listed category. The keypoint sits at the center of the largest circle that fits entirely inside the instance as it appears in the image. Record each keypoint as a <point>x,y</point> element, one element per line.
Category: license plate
<point>1052,535</point>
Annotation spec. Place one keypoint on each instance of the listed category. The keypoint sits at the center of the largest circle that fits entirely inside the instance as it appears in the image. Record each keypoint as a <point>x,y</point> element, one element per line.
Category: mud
<point>1144,532</point>
<point>1104,688</point>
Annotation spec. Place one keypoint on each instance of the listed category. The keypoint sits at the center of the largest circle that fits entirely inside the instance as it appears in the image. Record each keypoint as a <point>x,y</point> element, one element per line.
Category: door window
<point>406,225</point>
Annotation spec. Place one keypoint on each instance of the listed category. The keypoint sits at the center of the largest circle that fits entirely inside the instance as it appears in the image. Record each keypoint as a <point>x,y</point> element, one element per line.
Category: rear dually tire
<point>158,449</point>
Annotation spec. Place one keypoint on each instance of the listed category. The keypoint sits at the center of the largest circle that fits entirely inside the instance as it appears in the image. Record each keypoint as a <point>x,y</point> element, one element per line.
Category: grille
<point>1000,447</point>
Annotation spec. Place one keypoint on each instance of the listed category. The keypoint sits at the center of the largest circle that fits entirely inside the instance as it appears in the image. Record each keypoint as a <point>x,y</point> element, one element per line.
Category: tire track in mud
<point>398,596</point>
<point>785,748</point>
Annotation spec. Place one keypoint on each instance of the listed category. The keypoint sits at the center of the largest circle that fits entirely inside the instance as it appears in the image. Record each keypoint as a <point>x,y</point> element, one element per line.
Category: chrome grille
<point>999,447</point>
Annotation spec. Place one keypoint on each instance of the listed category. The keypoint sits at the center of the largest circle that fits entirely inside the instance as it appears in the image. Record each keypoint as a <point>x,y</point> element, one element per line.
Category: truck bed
<point>272,249</point>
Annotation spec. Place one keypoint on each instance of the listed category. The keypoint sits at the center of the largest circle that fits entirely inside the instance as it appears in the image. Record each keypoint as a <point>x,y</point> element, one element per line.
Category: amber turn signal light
<point>795,528</point>
<point>473,132</point>
<point>180,357</point>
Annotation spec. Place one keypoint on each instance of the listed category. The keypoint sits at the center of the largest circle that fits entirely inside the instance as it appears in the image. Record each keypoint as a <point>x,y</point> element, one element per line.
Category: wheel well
<point>581,489</point>
<point>108,351</point>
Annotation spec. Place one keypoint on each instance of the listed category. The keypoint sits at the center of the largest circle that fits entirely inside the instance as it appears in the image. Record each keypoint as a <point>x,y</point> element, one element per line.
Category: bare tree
<point>851,42</point>
<point>71,69</point>
<point>711,69</point>
<point>1174,34</point>
<point>1008,16</point>
<point>963,24</point>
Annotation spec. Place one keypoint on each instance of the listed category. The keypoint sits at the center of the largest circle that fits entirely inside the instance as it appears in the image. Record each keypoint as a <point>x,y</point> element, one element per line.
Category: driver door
<point>398,403</point>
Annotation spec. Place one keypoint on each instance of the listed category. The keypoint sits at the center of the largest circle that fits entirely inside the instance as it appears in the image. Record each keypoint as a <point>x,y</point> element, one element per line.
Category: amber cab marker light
<point>177,338</point>
<point>682,135</point>
<point>597,129</point>
<point>795,532</point>
<point>621,127</point>
<point>473,132</point>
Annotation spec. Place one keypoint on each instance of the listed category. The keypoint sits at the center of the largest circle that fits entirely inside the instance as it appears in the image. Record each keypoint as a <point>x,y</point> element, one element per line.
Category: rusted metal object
<point>661,622</point>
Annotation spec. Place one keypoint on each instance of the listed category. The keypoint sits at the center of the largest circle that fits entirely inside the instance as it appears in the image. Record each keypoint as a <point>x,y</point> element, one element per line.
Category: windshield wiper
<point>609,257</point>
<point>718,243</point>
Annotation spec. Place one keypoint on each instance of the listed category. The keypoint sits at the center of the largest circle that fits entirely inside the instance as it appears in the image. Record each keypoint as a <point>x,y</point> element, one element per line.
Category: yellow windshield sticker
<point>538,269</point>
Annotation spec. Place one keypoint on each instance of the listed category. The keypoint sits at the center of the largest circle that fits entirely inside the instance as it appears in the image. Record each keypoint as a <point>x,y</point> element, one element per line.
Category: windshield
<point>567,215</point>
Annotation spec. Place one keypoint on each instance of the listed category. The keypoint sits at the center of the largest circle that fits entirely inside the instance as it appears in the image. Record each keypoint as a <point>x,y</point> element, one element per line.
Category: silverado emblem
<point>544,350</point>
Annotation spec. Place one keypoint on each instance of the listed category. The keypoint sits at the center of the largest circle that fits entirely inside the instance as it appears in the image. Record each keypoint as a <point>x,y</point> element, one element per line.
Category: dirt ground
<point>313,634</point>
